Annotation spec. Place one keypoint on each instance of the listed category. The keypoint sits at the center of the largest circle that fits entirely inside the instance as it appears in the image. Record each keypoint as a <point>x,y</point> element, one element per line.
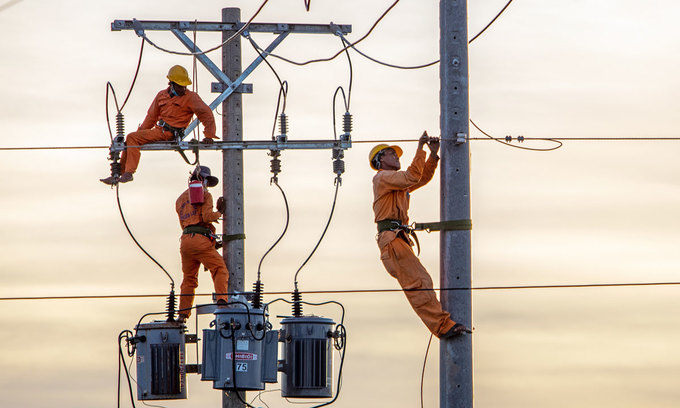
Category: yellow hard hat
<point>179,75</point>
<point>379,148</point>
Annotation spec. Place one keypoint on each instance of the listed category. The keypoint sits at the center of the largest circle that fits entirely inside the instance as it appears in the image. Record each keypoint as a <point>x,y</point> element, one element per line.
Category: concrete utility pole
<point>232,171</point>
<point>455,359</point>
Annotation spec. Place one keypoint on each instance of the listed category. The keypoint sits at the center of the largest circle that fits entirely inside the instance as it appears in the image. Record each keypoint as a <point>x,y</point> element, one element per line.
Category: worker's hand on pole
<point>423,139</point>
<point>221,205</point>
<point>433,145</point>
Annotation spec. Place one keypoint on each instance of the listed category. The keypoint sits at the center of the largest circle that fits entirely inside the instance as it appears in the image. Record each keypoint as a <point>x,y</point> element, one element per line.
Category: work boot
<point>182,318</point>
<point>109,180</point>
<point>125,177</point>
<point>456,331</point>
<point>221,303</point>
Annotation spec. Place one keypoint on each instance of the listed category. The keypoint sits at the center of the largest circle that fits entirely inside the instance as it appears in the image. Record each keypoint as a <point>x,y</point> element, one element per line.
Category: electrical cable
<point>344,48</point>
<point>357,291</point>
<point>351,79</point>
<point>243,28</point>
<point>124,334</point>
<point>122,216</point>
<point>335,132</point>
<point>490,22</point>
<point>476,139</point>
<point>385,63</point>
<point>559,144</point>
<point>283,85</point>
<point>330,217</point>
<point>422,375</point>
<point>134,79</point>
<point>285,229</point>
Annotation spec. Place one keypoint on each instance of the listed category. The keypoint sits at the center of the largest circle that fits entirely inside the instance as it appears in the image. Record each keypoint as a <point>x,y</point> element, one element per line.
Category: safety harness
<point>198,229</point>
<point>178,134</point>
<point>404,231</point>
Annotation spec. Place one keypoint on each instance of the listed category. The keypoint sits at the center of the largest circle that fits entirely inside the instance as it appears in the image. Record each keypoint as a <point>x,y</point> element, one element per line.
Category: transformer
<point>161,371</point>
<point>239,353</point>
<point>307,364</point>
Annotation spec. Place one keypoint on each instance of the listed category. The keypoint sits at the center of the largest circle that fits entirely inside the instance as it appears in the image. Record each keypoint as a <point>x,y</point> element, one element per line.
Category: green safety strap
<point>233,237</point>
<point>451,225</point>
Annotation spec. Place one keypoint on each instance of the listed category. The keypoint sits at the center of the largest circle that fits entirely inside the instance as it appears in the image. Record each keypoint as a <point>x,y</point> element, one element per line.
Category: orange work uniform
<point>177,112</point>
<point>391,193</point>
<point>197,249</point>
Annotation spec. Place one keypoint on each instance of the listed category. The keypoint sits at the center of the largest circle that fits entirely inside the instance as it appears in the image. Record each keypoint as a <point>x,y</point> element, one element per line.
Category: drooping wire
<point>352,45</point>
<point>344,48</point>
<point>351,78</point>
<point>338,89</point>
<point>283,85</point>
<point>330,217</point>
<point>134,79</point>
<point>127,334</point>
<point>559,144</point>
<point>491,22</point>
<point>240,31</point>
<point>122,216</point>
<point>285,229</point>
<point>422,374</point>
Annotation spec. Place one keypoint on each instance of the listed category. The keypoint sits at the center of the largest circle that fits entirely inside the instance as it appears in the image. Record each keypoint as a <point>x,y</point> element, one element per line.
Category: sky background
<point>589,212</point>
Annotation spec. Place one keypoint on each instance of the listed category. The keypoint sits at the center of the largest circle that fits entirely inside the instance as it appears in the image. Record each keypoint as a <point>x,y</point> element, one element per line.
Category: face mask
<point>172,91</point>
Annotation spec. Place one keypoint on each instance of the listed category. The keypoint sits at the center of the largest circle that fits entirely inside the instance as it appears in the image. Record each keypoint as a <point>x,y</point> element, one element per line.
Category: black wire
<point>385,63</point>
<point>124,333</point>
<point>122,216</point>
<point>358,291</point>
<point>490,22</point>
<point>335,132</point>
<point>422,375</point>
<point>285,200</point>
<point>344,48</point>
<point>134,79</point>
<point>351,78</point>
<point>559,144</point>
<point>240,31</point>
<point>554,139</point>
<point>330,217</point>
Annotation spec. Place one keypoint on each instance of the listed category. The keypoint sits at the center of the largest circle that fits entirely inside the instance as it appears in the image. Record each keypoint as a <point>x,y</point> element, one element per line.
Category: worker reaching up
<point>170,112</point>
<point>391,194</point>
<point>197,245</point>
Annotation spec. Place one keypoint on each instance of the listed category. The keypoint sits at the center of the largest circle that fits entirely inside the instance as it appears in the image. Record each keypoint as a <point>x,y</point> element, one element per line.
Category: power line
<point>563,139</point>
<point>228,40</point>
<point>360,291</point>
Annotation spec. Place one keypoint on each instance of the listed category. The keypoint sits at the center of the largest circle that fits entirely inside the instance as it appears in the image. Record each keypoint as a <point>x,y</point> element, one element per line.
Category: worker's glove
<point>207,140</point>
<point>221,205</point>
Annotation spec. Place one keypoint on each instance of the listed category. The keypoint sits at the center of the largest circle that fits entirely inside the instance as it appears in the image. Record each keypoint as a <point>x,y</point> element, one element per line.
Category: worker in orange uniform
<point>170,112</point>
<point>391,194</point>
<point>197,245</point>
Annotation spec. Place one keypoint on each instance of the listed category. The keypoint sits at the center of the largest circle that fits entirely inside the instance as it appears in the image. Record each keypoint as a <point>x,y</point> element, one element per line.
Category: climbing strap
<point>233,237</point>
<point>396,225</point>
<point>197,229</point>
<point>451,225</point>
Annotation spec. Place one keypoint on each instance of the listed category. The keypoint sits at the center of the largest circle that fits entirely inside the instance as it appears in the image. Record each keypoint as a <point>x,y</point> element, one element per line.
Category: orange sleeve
<point>428,172</point>
<point>401,180</point>
<point>151,115</point>
<point>205,115</point>
<point>207,212</point>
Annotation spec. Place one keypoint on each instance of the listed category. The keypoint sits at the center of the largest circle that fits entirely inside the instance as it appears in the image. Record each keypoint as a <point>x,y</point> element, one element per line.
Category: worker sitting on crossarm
<point>197,245</point>
<point>391,194</point>
<point>170,112</point>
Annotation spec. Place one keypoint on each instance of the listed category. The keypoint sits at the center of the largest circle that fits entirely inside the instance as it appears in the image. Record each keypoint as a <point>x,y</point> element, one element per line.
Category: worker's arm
<point>430,164</point>
<point>205,115</point>
<point>207,212</point>
<point>152,114</point>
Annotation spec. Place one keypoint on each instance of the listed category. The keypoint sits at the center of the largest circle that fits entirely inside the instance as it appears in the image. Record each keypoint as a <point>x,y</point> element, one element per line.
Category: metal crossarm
<point>246,145</point>
<point>153,25</point>
<point>228,87</point>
